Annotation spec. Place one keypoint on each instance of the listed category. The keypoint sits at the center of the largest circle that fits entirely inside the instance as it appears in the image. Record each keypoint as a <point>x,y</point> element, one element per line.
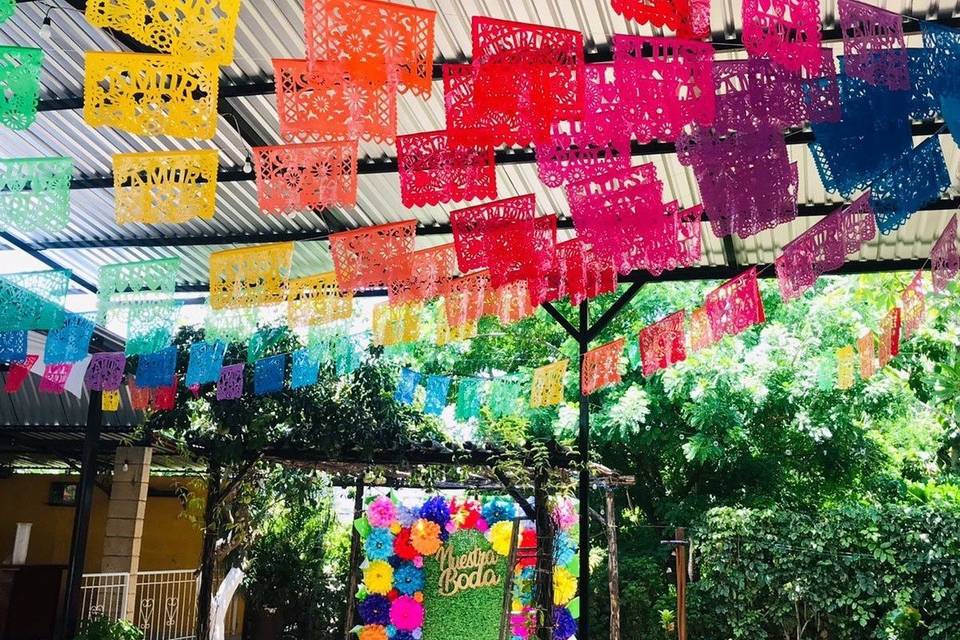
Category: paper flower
<point>520,624</point>
<point>498,509</point>
<point>379,544</point>
<point>374,610</point>
<point>373,632</point>
<point>465,514</point>
<point>402,635</point>
<point>499,536</point>
<point>528,542</point>
<point>425,536</point>
<point>408,579</point>
<point>563,549</point>
<point>436,510</point>
<point>523,588</point>
<point>381,512</point>
<point>402,547</point>
<point>407,515</point>
<point>378,577</point>
<point>565,514</point>
<point>406,614</point>
<point>564,586</point>
<point>564,626</point>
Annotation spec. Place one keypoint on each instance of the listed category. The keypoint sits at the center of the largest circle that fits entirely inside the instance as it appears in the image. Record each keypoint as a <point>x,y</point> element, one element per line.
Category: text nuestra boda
<point>471,570</point>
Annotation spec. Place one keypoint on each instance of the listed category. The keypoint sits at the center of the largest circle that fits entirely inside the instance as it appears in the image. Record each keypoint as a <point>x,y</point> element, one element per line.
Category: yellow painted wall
<point>169,540</point>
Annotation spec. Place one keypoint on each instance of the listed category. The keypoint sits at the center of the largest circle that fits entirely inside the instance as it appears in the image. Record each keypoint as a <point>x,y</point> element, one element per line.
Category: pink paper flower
<point>381,512</point>
<point>406,613</point>
<point>565,515</point>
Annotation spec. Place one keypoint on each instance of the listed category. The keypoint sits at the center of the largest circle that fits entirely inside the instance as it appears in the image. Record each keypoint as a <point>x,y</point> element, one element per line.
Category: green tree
<point>297,566</point>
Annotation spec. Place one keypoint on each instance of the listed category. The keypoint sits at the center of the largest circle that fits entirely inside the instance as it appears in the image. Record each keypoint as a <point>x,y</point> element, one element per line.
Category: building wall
<point>170,541</point>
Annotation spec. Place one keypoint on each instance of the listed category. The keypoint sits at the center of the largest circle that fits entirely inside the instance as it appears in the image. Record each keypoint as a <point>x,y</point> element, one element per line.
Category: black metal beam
<point>525,155</point>
<point>803,210</point>
<point>625,298</point>
<point>53,264</point>
<point>561,320</point>
<point>729,251</point>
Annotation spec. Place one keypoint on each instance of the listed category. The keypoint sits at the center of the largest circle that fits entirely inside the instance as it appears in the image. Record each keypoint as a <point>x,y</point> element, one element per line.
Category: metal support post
<point>583,444</point>
<point>70,615</point>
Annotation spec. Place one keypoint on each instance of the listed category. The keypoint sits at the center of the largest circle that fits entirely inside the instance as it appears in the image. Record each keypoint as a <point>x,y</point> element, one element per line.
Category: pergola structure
<point>248,118</point>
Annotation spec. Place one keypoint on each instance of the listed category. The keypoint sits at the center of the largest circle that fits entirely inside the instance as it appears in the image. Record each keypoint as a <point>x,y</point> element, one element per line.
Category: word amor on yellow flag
<point>151,95</point>
<point>845,358</point>
<point>169,186</point>
<point>110,401</point>
<point>547,387</point>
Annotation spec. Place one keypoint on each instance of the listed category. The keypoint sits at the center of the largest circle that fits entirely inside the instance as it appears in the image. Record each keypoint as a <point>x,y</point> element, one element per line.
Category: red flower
<point>528,547</point>
<point>393,595</point>
<point>402,547</point>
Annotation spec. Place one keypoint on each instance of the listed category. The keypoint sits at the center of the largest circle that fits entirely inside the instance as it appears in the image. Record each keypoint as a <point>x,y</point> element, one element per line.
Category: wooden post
<point>544,579</point>
<point>680,536</point>
<point>614,567</point>
<point>508,581</point>
<point>354,557</point>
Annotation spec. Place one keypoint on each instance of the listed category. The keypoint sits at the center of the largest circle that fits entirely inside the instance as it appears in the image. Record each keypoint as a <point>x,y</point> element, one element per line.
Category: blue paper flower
<point>498,510</point>
<point>379,545</point>
<point>408,579</point>
<point>407,515</point>
<point>375,609</point>
<point>564,626</point>
<point>563,549</point>
<point>436,510</point>
<point>402,635</point>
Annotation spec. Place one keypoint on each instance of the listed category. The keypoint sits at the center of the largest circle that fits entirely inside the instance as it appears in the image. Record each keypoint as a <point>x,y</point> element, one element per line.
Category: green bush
<point>104,628</point>
<point>850,572</point>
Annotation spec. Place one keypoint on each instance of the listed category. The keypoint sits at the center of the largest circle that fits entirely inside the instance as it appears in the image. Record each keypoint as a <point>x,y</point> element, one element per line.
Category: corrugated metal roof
<point>275,29</point>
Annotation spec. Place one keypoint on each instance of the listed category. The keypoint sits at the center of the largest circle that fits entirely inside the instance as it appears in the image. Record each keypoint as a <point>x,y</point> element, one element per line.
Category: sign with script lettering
<point>463,594</point>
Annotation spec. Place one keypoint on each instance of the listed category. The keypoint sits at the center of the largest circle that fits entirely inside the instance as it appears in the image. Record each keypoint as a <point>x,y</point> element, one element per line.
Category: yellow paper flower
<point>564,586</point>
<point>425,537</point>
<point>395,528</point>
<point>373,632</point>
<point>500,537</point>
<point>378,577</point>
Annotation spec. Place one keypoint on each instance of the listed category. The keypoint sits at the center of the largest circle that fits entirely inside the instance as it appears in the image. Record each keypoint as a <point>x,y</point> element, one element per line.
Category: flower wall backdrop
<point>436,569</point>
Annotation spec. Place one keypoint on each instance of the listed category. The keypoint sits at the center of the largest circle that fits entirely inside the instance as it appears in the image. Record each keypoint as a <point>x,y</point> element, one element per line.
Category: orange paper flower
<point>373,632</point>
<point>425,537</point>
